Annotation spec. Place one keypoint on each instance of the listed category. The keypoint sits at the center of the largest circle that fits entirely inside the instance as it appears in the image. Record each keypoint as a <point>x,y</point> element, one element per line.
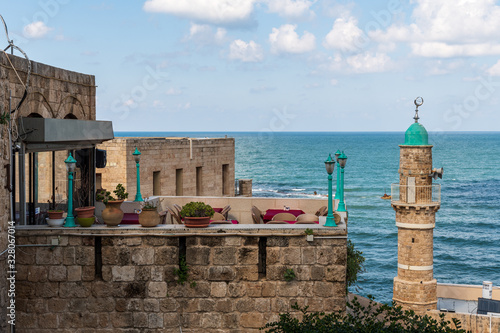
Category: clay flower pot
<point>55,214</point>
<point>149,217</point>
<point>196,222</point>
<point>112,215</point>
<point>85,212</point>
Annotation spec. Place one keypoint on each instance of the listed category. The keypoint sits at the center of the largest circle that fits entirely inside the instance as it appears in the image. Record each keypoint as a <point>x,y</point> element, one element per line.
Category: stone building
<point>40,97</point>
<point>416,202</point>
<point>170,166</point>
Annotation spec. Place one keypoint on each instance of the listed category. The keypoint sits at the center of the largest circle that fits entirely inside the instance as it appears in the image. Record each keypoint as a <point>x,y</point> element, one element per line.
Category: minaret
<point>416,206</point>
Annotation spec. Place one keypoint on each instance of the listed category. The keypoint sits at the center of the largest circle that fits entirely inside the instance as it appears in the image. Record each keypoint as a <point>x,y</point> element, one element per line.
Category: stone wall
<point>160,160</point>
<point>115,280</point>
<point>53,93</point>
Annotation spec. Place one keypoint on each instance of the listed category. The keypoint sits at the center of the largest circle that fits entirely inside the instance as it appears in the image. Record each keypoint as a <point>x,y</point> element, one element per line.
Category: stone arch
<point>72,105</point>
<point>38,103</point>
<point>35,115</point>
<point>70,116</point>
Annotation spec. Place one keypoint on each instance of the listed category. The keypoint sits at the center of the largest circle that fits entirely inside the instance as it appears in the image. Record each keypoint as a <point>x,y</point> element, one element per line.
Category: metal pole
<point>53,204</point>
<point>22,184</point>
<point>337,192</point>
<point>138,196</point>
<point>341,207</point>
<point>70,219</point>
<point>11,168</point>
<point>330,221</point>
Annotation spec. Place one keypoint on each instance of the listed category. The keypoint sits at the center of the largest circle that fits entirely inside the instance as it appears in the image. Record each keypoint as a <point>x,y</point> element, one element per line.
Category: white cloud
<point>173,92</point>
<point>213,11</point>
<point>494,70</point>
<point>444,50</point>
<point>443,28</point>
<point>369,63</point>
<point>204,34</point>
<point>36,29</point>
<point>246,52</point>
<point>293,9</point>
<point>345,35</point>
<point>285,40</point>
<point>334,82</point>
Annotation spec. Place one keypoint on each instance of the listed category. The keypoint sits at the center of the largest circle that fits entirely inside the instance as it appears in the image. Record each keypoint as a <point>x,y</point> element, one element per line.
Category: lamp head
<point>342,160</point>
<point>337,154</point>
<point>329,164</point>
<point>70,163</point>
<point>137,155</point>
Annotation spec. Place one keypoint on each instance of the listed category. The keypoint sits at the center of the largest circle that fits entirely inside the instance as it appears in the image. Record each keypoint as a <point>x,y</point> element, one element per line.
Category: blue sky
<point>274,65</point>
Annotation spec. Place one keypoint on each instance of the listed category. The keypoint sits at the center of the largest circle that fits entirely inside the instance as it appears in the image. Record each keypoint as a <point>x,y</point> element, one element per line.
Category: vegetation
<point>289,275</point>
<point>371,319</point>
<point>182,273</point>
<point>308,231</point>
<point>4,118</point>
<point>149,204</point>
<point>105,196</point>
<point>197,209</point>
<point>355,266</point>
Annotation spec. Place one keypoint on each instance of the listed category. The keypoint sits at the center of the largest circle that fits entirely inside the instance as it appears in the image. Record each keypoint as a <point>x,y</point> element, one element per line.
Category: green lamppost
<point>330,165</point>
<point>342,162</point>
<point>70,166</point>
<point>337,191</point>
<point>137,157</point>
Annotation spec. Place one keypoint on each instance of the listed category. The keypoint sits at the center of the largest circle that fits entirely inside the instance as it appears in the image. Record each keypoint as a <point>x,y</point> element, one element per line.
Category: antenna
<point>418,102</point>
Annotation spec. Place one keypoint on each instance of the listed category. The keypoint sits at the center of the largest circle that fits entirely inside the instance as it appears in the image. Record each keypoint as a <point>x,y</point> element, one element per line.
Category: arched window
<point>70,116</point>
<point>35,115</point>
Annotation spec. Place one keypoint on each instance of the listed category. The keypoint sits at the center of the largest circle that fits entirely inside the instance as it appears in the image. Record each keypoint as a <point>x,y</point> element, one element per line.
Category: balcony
<point>416,195</point>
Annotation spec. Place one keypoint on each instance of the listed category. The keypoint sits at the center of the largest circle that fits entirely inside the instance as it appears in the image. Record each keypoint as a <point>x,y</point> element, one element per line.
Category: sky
<point>274,65</point>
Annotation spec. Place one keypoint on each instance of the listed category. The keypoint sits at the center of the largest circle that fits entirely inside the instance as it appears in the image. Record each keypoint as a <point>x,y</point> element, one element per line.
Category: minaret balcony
<point>415,195</point>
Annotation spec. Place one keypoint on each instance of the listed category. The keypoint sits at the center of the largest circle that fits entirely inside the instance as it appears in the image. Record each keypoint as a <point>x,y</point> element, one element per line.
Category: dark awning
<point>41,134</point>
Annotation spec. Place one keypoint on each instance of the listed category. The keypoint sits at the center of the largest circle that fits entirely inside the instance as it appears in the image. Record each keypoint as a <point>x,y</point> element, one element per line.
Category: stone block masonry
<point>53,93</point>
<point>170,166</point>
<point>122,279</point>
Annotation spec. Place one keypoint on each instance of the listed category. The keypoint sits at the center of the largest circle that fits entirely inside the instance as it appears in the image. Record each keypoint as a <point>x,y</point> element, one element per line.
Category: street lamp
<point>337,192</point>
<point>70,167</point>
<point>342,162</point>
<point>137,158</point>
<point>330,165</point>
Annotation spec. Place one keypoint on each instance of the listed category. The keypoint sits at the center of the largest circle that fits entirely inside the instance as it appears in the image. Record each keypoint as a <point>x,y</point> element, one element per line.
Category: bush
<point>197,209</point>
<point>371,319</point>
<point>355,266</point>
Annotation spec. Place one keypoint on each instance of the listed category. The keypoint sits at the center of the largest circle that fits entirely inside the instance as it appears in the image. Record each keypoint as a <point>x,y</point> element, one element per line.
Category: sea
<point>467,233</point>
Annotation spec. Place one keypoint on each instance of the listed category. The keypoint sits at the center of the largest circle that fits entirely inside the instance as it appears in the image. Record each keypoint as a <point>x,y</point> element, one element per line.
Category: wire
<point>28,74</point>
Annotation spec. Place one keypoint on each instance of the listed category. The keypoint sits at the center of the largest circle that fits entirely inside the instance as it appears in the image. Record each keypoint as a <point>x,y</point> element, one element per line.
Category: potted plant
<point>112,215</point>
<point>196,214</point>
<point>55,214</point>
<point>149,216</point>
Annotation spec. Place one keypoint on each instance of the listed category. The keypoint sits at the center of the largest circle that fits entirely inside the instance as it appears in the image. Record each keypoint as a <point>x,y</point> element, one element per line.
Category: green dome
<point>416,135</point>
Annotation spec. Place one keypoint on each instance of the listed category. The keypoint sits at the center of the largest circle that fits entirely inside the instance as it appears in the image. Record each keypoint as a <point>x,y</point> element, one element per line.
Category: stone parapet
<point>122,279</point>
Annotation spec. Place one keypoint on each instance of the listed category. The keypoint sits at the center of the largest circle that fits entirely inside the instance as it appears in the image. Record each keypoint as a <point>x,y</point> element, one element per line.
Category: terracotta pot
<point>149,217</point>
<point>55,215</point>
<point>197,222</point>
<point>112,215</point>
<point>85,212</point>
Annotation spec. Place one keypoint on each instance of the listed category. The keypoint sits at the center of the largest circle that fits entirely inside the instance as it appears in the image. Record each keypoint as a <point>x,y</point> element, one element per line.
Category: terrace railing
<point>415,194</point>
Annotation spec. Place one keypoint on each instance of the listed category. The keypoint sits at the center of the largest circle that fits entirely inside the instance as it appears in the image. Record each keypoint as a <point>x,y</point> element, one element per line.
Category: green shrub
<point>289,275</point>
<point>105,196</point>
<point>371,319</point>
<point>355,266</point>
<point>197,209</point>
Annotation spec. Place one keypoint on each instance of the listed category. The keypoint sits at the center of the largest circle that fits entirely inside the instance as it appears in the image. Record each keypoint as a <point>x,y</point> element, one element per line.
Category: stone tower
<point>416,202</point>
